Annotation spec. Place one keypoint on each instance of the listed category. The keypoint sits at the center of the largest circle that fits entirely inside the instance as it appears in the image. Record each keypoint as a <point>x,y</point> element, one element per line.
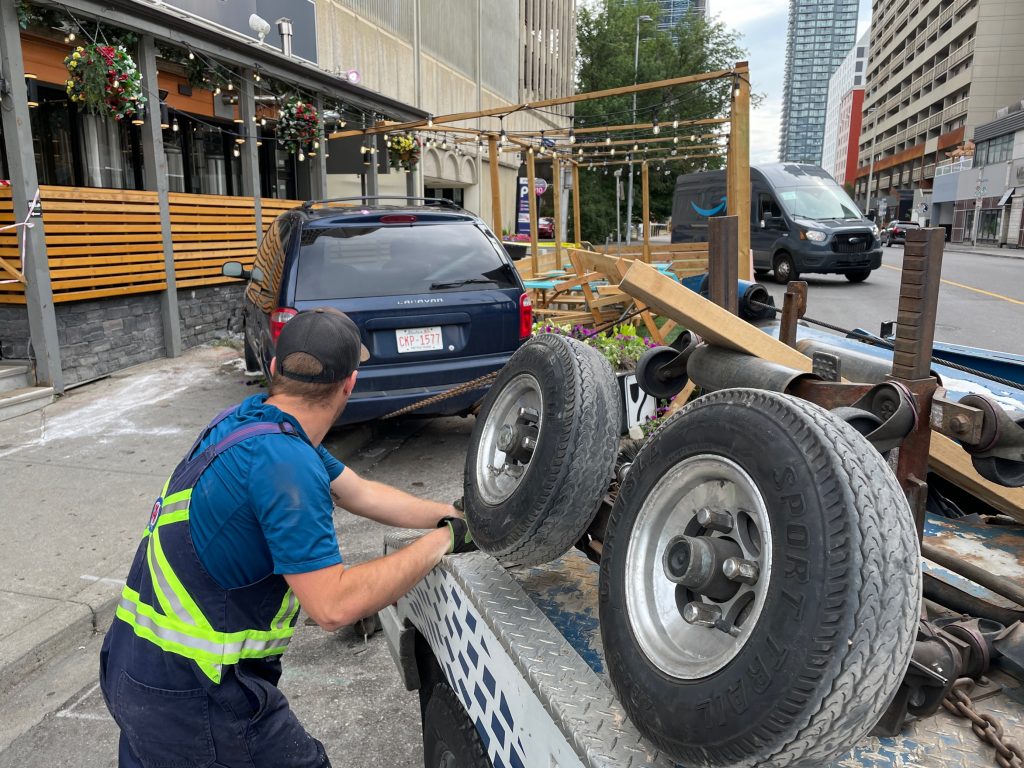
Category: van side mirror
<point>762,224</point>
<point>236,270</point>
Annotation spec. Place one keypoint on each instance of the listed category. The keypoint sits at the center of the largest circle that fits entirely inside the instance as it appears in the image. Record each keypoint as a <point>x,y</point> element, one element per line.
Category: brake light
<point>398,218</point>
<point>525,316</point>
<point>278,318</point>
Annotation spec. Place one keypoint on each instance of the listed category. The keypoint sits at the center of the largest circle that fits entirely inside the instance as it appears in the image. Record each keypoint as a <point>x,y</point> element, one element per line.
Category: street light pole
<point>636,67</point>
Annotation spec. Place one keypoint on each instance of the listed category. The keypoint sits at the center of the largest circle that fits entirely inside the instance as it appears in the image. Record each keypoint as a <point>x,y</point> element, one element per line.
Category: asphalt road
<point>981,303</point>
<point>344,688</point>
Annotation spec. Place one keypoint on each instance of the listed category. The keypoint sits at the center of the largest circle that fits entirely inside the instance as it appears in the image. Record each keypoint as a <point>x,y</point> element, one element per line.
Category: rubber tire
<point>646,373</point>
<point>761,274</point>
<point>785,278</point>
<point>252,360</point>
<point>447,728</point>
<point>572,465</point>
<point>829,651</point>
<point>858,276</point>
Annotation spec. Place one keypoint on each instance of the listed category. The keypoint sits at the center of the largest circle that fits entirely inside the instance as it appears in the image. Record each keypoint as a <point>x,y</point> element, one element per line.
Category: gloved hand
<point>462,539</point>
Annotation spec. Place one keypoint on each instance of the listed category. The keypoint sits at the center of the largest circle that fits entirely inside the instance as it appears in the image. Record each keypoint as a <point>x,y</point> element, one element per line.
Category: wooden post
<point>738,165</point>
<point>21,165</point>
<point>577,234</point>
<point>556,190</point>
<point>492,155</point>
<point>646,185</point>
<point>531,176</point>
<point>154,164</point>
<point>722,288</point>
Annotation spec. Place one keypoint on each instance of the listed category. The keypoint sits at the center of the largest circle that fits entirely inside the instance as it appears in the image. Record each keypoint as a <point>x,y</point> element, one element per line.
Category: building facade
<point>979,199</point>
<point>818,37</point>
<point>937,69</point>
<point>675,11</point>
<point>843,114</point>
<point>491,53</point>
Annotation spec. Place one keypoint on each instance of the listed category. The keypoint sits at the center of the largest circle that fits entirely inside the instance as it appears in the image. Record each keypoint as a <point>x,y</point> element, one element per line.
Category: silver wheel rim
<point>499,472</point>
<point>655,603</point>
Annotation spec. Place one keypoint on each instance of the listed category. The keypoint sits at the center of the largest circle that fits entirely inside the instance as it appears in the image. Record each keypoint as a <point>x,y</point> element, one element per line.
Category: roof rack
<point>438,201</point>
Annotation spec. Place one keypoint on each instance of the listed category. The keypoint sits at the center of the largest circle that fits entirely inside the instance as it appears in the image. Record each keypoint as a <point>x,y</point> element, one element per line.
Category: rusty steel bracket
<point>827,366</point>
<point>956,420</point>
<point>794,305</point>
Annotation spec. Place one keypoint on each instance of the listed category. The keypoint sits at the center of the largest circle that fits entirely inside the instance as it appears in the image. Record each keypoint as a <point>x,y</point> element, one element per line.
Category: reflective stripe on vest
<point>178,624</point>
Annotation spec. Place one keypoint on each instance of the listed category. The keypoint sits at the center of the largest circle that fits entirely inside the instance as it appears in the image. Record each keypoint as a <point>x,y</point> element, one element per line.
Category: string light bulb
<point>572,136</point>
<point>430,121</point>
<point>612,152</point>
<point>302,157</point>
<point>607,140</point>
<point>236,152</point>
<point>316,144</point>
<point>675,124</point>
<point>231,86</point>
<point>655,129</point>
<point>216,91</point>
<point>675,139</point>
<point>174,125</point>
<point>191,56</point>
<point>636,146</point>
<point>263,121</point>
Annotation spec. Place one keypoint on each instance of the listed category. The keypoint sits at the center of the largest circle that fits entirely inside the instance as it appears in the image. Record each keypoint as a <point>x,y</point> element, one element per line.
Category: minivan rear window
<point>352,262</point>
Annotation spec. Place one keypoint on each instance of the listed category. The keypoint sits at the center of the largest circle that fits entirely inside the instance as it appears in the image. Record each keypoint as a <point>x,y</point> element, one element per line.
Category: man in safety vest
<point>241,536</point>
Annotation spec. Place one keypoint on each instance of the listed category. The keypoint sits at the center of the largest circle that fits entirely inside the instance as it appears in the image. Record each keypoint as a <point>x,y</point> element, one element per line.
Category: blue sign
<point>523,206</point>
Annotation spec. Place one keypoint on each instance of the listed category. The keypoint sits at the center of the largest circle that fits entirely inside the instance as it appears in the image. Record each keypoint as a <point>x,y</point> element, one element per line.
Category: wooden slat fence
<point>102,242</point>
<point>107,242</point>
<point>10,292</point>
<point>687,259</point>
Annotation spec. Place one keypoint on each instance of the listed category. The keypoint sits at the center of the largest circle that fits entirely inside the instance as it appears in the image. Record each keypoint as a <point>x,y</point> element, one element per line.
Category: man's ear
<point>350,383</point>
<point>273,366</point>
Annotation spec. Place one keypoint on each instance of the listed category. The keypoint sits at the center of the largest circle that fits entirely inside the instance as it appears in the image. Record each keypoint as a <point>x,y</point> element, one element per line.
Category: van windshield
<point>819,201</point>
<point>360,261</point>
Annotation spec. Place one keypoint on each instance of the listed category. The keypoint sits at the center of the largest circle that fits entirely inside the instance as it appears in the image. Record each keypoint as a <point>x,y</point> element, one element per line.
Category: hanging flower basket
<point>403,151</point>
<point>298,126</point>
<point>105,80</point>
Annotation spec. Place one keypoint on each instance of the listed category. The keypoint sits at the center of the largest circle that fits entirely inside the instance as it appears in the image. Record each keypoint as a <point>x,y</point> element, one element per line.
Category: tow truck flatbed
<point>522,650</point>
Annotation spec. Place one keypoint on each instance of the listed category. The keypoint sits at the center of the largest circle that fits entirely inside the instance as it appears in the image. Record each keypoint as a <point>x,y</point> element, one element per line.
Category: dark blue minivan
<point>436,297</point>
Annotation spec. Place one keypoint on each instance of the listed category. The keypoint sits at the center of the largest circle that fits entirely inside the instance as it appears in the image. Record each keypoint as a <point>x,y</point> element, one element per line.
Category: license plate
<point>419,339</point>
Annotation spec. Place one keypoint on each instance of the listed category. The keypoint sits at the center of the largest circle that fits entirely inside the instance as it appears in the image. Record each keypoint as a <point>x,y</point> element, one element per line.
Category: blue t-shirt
<point>264,506</point>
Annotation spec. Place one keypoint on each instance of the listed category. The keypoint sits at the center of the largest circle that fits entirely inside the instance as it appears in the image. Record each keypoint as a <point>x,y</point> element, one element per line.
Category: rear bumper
<point>373,398</point>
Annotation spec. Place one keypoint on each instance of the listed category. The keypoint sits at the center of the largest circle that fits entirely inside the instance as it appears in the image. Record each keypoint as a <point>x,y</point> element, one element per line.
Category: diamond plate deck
<point>546,619</point>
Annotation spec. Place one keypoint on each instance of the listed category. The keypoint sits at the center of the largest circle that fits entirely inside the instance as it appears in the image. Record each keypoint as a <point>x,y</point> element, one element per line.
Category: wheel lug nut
<point>714,520</point>
<point>701,614</point>
<point>743,571</point>
<point>529,443</point>
<point>505,437</point>
<point>529,414</point>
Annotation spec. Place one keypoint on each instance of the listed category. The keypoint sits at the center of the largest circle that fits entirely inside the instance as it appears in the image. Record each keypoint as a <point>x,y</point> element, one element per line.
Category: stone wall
<point>100,336</point>
<point>14,335</point>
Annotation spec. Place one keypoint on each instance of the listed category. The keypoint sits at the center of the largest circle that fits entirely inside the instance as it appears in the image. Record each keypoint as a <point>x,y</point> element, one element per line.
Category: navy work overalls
<point>189,670</point>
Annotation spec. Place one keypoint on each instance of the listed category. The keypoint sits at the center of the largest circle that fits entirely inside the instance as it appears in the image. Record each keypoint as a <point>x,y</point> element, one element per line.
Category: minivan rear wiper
<point>460,283</point>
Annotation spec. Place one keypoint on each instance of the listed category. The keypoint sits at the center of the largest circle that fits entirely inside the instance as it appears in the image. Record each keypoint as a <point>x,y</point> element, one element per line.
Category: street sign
<point>540,186</point>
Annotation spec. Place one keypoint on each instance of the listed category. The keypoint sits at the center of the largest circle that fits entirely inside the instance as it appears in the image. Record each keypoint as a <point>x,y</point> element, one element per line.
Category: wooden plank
<point>721,328</point>
<point>576,222</point>
<point>492,162</point>
<point>738,166</point>
<point>93,194</point>
<point>556,192</point>
<point>531,176</point>
<point>72,251</point>
<point>645,185</point>
<point>108,292</point>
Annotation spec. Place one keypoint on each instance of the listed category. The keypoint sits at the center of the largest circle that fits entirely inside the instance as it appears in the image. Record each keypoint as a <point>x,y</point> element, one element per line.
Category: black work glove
<point>462,539</point>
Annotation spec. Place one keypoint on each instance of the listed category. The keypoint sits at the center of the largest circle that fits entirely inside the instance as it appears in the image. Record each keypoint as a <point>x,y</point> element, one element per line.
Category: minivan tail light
<point>398,218</point>
<point>278,318</point>
<point>525,316</point>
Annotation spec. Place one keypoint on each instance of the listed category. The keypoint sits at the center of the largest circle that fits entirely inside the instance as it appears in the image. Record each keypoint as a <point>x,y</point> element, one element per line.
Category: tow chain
<point>886,345</point>
<point>469,386</point>
<point>985,725</point>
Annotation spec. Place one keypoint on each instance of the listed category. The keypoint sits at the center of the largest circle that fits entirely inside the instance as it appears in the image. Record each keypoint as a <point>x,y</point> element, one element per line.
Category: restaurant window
<point>174,154</point>
<point>109,153</point>
<point>208,162</point>
<point>54,134</point>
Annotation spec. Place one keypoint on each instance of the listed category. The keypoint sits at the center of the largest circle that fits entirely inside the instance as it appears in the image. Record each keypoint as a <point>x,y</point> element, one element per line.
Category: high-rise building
<point>937,69</point>
<point>820,34</point>
<point>839,149</point>
<point>675,11</point>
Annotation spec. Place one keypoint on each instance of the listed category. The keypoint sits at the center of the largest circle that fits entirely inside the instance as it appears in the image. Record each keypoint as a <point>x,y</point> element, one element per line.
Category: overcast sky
<point>762,26</point>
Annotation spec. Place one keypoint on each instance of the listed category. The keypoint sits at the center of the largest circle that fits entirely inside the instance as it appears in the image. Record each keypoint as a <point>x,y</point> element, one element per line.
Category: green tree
<point>606,35</point>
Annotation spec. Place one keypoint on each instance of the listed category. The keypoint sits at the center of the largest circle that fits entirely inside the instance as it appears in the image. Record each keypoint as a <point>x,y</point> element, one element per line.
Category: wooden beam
<point>581,130</point>
<point>556,192</point>
<point>645,185</point>
<point>738,165</point>
<point>678,159</point>
<point>531,177</point>
<point>577,232</point>
<point>492,150</point>
<point>543,103</point>
<point>721,328</point>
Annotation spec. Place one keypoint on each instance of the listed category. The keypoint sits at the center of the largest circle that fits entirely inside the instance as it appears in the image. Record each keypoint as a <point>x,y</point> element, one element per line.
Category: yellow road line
<point>968,288</point>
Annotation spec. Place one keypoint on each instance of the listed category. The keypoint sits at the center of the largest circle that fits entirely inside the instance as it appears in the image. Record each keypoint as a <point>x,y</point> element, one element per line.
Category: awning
<point>1006,196</point>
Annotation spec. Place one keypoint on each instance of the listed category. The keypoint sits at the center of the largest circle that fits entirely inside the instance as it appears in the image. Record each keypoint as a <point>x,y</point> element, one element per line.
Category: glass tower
<point>674,11</point>
<point>820,34</point>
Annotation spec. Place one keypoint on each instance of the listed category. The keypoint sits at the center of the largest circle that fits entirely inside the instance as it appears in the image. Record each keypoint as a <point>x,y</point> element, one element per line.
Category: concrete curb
<point>66,626</point>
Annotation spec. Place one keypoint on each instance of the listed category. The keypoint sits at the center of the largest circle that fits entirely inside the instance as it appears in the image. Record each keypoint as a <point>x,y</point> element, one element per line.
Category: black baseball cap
<point>329,336</point>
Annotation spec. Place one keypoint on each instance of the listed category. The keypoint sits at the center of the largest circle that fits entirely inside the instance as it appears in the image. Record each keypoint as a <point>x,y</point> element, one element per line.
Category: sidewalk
<point>986,250</point>
<point>77,480</point>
